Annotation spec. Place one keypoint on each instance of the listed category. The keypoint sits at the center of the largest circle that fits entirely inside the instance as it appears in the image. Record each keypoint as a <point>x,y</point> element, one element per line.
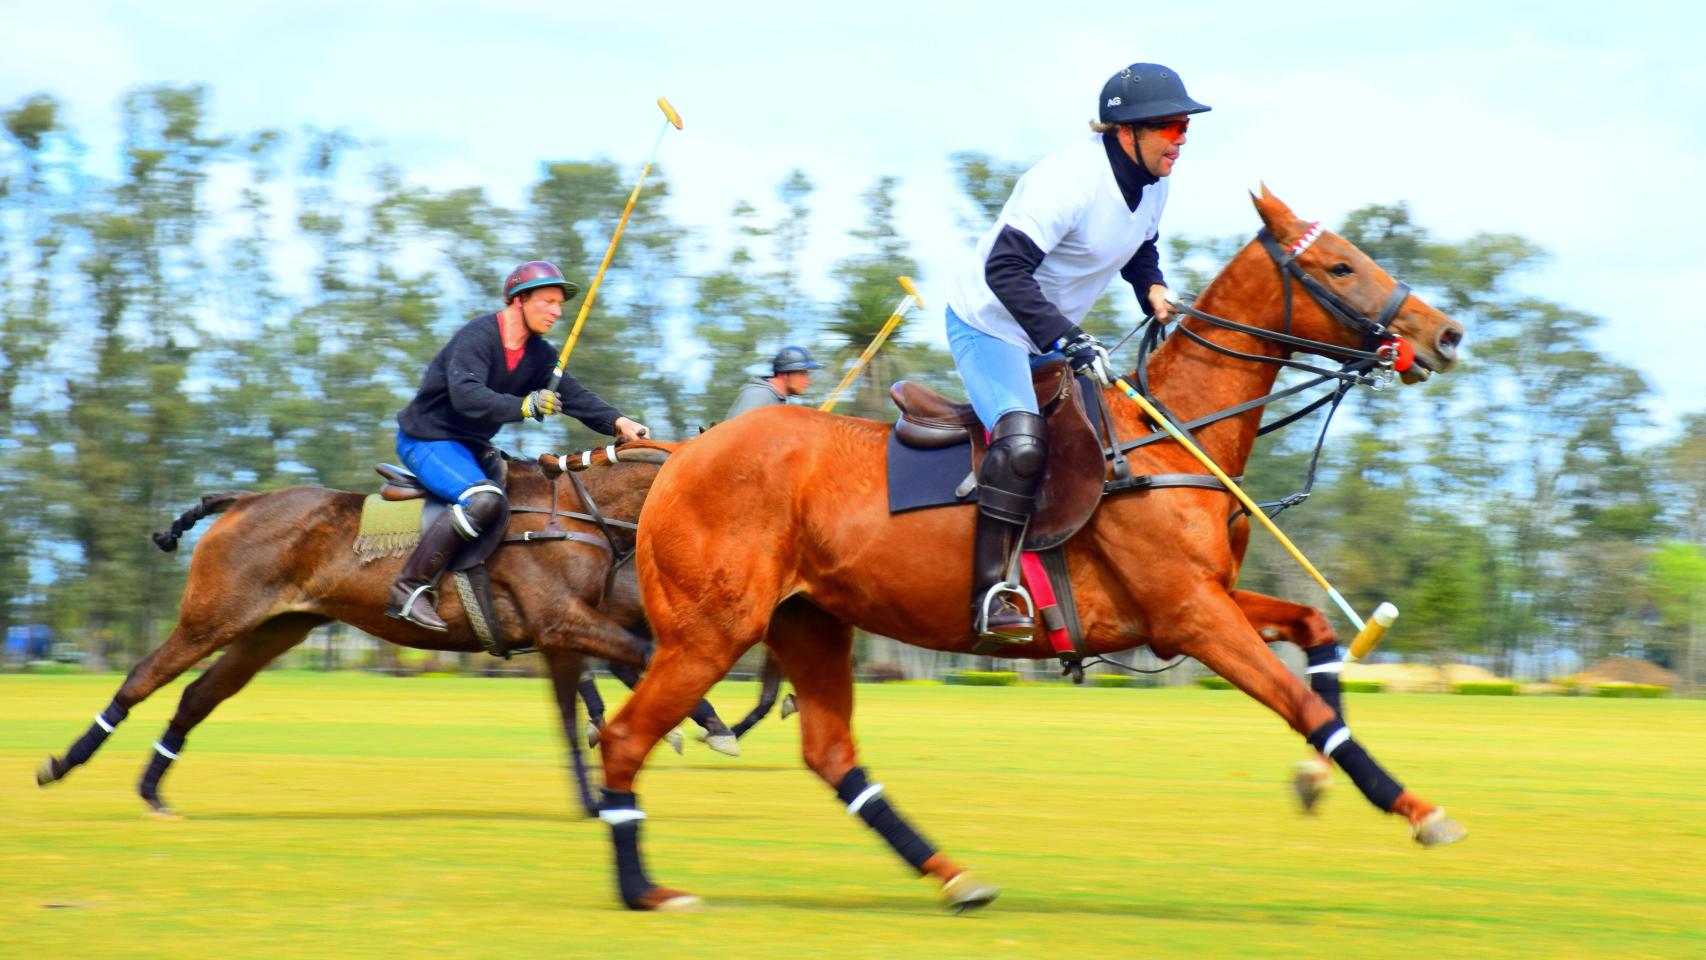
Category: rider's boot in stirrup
<point>412,596</point>
<point>1006,497</point>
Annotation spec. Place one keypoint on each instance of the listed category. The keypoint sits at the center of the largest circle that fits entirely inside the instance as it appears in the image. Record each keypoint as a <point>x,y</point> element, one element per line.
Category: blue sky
<point>1577,125</point>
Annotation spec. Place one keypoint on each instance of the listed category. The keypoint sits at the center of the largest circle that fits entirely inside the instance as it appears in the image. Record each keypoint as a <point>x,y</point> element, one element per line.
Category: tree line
<point>251,310</point>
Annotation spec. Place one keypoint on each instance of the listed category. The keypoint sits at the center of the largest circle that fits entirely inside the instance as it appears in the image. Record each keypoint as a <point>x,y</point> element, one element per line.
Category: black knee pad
<point>478,507</point>
<point>1013,467</point>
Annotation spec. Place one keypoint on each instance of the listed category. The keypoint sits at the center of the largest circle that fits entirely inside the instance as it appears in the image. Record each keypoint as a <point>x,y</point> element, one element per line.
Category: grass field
<point>351,815</point>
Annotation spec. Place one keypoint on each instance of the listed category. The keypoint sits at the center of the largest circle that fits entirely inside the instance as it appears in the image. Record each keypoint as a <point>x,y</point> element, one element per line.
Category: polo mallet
<point>1368,634</point>
<point>671,119</point>
<point>911,299</point>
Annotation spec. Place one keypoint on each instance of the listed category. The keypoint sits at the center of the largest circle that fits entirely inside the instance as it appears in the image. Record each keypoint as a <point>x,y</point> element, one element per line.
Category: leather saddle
<point>1075,472</point>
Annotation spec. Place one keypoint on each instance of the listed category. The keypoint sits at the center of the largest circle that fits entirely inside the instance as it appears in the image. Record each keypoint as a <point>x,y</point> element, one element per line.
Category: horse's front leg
<point>1209,626</point>
<point>1278,620</point>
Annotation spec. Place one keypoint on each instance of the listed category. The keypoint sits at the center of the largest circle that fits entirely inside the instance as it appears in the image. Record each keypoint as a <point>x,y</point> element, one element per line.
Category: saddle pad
<point>926,478</point>
<point>389,528</point>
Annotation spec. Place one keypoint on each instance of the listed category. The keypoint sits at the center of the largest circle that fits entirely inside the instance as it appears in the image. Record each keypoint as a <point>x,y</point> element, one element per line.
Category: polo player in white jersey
<point>1077,218</point>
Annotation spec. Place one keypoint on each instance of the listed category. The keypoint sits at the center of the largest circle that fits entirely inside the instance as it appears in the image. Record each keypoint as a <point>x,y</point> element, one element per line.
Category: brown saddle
<point>1073,478</point>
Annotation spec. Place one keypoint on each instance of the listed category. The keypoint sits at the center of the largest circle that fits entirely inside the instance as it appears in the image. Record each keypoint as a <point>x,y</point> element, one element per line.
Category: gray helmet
<point>1145,91</point>
<point>793,359</point>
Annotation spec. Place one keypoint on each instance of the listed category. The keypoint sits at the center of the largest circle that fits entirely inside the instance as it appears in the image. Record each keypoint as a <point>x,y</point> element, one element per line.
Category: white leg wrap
<point>103,724</point>
<point>1336,741</point>
<point>162,751</point>
<point>869,794</point>
<point>618,817</point>
<point>1337,666</point>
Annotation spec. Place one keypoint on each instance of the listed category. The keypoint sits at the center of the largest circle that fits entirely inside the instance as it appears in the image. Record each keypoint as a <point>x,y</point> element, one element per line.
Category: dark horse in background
<point>276,565</point>
<point>774,528</point>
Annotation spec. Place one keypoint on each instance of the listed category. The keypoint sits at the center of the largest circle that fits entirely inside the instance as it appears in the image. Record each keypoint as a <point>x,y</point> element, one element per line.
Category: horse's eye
<point>1340,270</point>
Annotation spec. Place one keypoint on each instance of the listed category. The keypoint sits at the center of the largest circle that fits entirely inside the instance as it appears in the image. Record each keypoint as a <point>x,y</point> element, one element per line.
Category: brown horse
<point>774,527</point>
<point>278,564</point>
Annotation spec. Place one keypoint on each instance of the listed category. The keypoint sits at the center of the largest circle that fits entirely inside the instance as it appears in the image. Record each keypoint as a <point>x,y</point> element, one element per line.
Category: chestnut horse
<point>774,527</point>
<point>276,565</point>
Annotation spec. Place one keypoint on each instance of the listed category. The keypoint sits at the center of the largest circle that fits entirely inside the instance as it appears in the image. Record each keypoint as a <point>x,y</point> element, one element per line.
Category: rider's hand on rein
<point>1086,355</point>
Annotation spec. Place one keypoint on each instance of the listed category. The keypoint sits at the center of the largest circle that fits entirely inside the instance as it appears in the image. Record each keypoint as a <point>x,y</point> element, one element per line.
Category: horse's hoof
<point>1311,782</point>
<point>673,738</point>
<point>591,734</point>
<point>160,811</point>
<point>966,892</point>
<point>665,900</point>
<point>724,743</point>
<point>48,772</point>
<point>1437,829</point>
<point>790,706</point>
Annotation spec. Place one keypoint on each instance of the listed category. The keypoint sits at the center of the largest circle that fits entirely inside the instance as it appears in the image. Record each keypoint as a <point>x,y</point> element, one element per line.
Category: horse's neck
<point>1193,381</point>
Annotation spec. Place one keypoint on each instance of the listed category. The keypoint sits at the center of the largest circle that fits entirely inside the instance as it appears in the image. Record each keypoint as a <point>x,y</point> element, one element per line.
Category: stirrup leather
<point>1004,590</point>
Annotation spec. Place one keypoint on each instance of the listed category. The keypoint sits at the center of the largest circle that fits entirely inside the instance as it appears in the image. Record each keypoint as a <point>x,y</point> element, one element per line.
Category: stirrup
<point>998,591</point>
<point>402,612</point>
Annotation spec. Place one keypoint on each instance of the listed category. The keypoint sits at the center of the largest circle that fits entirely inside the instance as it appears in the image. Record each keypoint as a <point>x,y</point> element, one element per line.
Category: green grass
<point>364,816</point>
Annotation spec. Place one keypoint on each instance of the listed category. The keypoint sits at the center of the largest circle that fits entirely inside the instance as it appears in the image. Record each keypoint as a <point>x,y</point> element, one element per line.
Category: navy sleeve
<point>1010,271</point>
<point>587,407</point>
<point>465,365</point>
<point>1143,271</point>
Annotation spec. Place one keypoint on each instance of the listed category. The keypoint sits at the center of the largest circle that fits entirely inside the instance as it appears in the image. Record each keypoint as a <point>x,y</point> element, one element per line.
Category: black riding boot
<point>1006,498</point>
<point>412,596</point>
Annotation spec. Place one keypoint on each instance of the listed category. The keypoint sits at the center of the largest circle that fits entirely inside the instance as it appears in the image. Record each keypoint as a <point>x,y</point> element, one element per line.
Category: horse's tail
<point>210,503</point>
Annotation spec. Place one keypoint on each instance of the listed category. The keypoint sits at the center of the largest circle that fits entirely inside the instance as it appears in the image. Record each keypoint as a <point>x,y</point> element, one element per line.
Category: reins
<point>1372,368</point>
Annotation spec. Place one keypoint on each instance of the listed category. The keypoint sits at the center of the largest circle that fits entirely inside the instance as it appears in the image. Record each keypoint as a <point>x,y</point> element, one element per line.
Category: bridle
<point>1374,364</point>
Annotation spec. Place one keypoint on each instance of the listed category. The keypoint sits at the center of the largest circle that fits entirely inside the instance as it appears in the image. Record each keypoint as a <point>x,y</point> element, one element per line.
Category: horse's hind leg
<point>816,650</point>
<point>1214,631</point>
<point>1278,620</point>
<point>770,684</point>
<point>188,645</point>
<point>230,673</point>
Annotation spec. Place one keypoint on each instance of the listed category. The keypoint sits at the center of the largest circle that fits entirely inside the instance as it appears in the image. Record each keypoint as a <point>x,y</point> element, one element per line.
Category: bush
<point>1213,682</point>
<point>981,678</point>
<point>1485,688</point>
<point>1362,686</point>
<point>1619,689</point>
<point>1111,680</point>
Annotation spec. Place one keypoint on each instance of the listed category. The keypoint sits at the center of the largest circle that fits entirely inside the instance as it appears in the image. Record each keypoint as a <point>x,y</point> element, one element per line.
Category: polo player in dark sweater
<point>494,371</point>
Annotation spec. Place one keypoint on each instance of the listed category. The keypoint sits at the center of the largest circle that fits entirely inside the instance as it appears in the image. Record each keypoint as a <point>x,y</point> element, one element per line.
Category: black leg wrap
<point>165,751</point>
<point>1374,782</point>
<point>1325,683</point>
<point>93,737</point>
<point>854,788</point>
<point>706,717</point>
<point>590,696</point>
<point>766,700</point>
<point>631,881</point>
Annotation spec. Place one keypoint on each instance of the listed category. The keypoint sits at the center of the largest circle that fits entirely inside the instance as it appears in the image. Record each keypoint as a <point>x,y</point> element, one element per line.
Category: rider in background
<point>494,371</point>
<point>1077,218</point>
<point>790,376</point>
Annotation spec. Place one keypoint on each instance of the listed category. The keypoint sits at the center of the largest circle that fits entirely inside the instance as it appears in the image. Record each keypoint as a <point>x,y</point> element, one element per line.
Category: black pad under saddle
<point>938,438</point>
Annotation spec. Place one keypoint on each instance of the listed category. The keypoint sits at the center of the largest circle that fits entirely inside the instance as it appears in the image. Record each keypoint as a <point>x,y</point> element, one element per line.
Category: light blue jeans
<point>997,374</point>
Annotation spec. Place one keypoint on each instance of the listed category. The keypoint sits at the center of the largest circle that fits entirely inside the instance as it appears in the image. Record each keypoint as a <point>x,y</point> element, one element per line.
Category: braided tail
<point>210,503</point>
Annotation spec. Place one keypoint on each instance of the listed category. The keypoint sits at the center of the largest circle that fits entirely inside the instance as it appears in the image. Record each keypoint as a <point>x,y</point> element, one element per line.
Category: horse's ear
<point>1278,218</point>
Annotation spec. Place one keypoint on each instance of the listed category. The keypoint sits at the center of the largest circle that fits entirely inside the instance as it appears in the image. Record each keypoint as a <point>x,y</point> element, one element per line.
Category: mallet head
<point>669,112</point>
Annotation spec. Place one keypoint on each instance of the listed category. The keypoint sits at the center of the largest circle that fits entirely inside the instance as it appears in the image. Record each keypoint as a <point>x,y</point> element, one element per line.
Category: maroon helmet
<point>535,274</point>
